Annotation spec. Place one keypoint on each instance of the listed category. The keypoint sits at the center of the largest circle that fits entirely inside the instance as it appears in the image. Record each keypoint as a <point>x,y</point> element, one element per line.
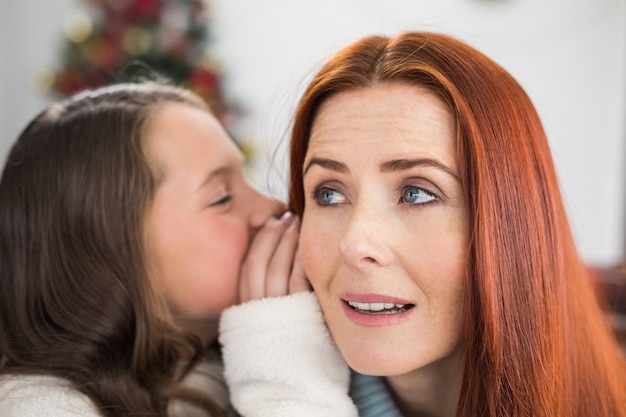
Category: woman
<point>435,238</point>
<point>125,217</point>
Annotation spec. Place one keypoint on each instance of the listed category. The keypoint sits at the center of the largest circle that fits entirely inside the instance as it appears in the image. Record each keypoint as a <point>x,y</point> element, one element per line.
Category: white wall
<point>568,54</point>
<point>30,39</point>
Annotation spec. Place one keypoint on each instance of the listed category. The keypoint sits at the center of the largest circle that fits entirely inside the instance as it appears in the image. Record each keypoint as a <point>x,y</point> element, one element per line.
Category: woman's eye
<point>328,196</point>
<point>415,195</point>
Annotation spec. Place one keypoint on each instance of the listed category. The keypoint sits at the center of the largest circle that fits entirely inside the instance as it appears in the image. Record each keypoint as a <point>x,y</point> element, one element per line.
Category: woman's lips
<point>372,298</point>
<point>371,310</point>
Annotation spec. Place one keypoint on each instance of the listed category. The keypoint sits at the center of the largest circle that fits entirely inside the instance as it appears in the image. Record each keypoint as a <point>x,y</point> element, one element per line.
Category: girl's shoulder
<point>37,395</point>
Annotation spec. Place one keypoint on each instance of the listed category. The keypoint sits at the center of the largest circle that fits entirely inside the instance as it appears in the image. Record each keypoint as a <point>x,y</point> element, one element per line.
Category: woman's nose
<point>364,239</point>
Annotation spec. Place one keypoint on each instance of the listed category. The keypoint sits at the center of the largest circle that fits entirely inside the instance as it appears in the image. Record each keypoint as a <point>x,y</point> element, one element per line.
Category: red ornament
<point>203,81</point>
<point>150,9</point>
<point>106,55</point>
<point>69,82</point>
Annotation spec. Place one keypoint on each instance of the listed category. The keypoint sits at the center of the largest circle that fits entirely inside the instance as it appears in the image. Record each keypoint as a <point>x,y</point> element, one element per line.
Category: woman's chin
<point>367,363</point>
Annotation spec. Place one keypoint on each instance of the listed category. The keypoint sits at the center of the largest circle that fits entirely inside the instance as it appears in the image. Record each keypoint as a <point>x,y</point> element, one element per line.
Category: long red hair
<point>536,342</point>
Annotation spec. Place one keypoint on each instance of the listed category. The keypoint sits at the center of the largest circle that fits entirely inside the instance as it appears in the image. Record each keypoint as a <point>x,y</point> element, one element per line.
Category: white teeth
<point>377,306</point>
<point>374,306</point>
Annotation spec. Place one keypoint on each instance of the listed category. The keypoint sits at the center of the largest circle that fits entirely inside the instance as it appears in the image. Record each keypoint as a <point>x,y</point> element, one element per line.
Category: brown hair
<point>75,299</point>
<point>537,343</point>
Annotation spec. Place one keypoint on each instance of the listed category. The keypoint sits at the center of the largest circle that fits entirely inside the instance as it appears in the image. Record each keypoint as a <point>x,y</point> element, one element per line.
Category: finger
<point>248,285</point>
<point>298,282</point>
<point>244,291</point>
<point>254,267</point>
<point>280,266</point>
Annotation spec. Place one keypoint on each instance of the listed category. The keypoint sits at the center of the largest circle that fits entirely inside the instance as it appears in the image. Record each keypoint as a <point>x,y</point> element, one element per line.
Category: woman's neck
<point>431,391</point>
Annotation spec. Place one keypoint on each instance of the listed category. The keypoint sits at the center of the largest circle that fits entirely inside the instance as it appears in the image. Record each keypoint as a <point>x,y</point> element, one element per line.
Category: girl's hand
<point>272,266</point>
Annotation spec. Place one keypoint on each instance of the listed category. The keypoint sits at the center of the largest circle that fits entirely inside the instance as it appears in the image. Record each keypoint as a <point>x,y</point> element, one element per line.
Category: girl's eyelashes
<point>416,195</point>
<point>222,201</point>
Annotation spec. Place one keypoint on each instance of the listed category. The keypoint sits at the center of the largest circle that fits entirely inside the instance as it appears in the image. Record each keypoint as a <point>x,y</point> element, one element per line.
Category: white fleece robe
<point>280,360</point>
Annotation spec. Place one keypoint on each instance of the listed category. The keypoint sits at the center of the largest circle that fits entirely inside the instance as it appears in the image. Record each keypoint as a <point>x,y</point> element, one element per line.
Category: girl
<point>125,217</point>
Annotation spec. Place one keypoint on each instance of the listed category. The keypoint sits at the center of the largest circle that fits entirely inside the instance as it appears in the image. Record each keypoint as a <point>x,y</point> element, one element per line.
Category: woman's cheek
<point>312,246</point>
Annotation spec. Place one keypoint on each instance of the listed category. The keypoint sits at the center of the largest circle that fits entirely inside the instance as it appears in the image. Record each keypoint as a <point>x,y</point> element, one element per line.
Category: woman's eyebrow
<point>330,164</point>
<point>388,166</point>
<point>404,164</point>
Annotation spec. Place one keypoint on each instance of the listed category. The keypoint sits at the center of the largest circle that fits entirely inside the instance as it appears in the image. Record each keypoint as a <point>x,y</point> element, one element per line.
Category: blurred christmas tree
<point>170,37</point>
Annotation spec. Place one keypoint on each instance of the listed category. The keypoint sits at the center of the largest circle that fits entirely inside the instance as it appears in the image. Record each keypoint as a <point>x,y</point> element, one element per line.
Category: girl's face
<point>203,215</point>
<point>385,232</point>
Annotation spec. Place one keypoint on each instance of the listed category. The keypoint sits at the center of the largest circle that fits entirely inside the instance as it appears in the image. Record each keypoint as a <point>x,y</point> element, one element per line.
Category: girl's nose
<point>261,207</point>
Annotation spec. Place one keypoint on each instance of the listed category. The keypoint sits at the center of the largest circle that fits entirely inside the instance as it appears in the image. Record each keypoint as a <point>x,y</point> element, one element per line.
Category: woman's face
<point>385,232</point>
<point>203,215</point>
